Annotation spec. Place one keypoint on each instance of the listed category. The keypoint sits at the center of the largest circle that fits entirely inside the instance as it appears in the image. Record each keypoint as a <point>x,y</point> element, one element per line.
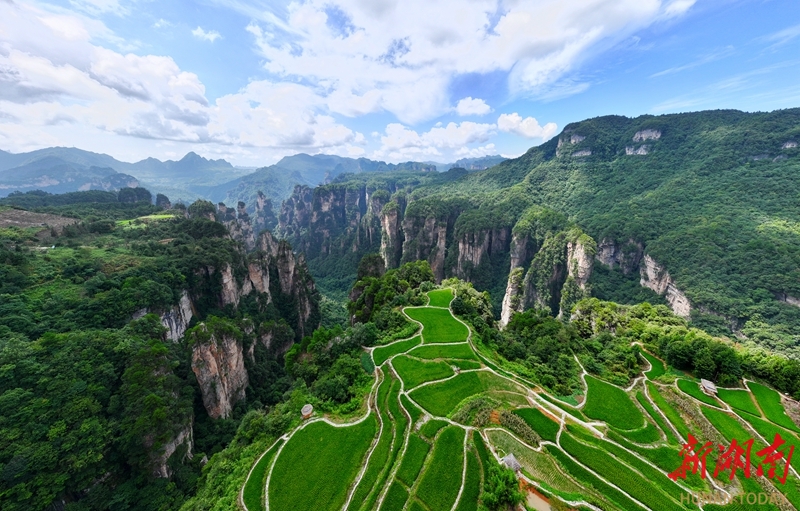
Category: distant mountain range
<point>277,181</point>
<point>64,169</point>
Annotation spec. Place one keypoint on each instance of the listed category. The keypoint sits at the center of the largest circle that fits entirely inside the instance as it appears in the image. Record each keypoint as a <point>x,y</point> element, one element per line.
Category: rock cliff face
<point>184,439</point>
<point>559,266</point>
<point>177,319</point>
<point>218,364</point>
<point>333,219</point>
<point>579,262</point>
<point>623,256</point>
<point>649,134</point>
<point>655,277</point>
<point>391,235</point>
<point>473,247</point>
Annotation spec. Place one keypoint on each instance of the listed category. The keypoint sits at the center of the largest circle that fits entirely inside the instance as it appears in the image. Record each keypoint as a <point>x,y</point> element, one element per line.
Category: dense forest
<point>116,316</point>
<point>706,197</point>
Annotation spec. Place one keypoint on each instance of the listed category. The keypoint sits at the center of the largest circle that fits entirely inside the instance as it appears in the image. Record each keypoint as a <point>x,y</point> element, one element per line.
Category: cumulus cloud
<point>97,92</point>
<point>528,127</point>
<point>402,143</point>
<point>470,106</point>
<point>211,35</point>
<point>401,57</point>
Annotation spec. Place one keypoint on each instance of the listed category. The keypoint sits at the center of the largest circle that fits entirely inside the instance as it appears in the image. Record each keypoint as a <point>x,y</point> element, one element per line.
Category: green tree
<point>501,489</point>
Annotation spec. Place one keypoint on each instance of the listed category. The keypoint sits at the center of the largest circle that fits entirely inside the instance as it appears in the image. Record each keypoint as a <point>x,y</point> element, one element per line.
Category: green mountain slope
<point>702,206</point>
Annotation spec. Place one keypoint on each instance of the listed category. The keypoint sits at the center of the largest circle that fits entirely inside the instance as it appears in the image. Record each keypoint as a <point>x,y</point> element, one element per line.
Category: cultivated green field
<point>301,478</point>
<point>454,351</point>
<point>611,404</point>
<point>668,410</point>
<point>539,422</point>
<point>413,371</point>
<point>657,368</point>
<point>693,389</point>
<point>770,403</point>
<point>421,468</point>
<point>382,353</point>
<point>441,479</point>
<point>441,398</point>
<point>739,399</point>
<point>412,462</point>
<point>253,494</point>
<point>439,325</point>
<point>440,297</point>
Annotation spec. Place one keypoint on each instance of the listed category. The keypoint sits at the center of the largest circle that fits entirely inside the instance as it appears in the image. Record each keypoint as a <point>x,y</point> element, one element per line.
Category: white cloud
<point>528,127</point>
<point>476,152</point>
<point>211,35</point>
<point>403,143</point>
<point>401,57</point>
<point>99,7</point>
<point>73,92</point>
<point>470,106</point>
<point>162,23</point>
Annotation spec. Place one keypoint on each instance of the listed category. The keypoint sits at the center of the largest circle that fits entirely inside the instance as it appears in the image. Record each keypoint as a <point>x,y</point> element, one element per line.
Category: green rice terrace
<point>442,412</point>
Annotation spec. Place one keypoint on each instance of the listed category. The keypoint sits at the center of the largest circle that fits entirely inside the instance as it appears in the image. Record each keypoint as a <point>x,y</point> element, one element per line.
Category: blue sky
<point>396,80</point>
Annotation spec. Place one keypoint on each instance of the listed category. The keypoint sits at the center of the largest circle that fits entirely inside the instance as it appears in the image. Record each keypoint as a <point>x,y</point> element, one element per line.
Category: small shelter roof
<point>708,386</point>
<point>511,462</point>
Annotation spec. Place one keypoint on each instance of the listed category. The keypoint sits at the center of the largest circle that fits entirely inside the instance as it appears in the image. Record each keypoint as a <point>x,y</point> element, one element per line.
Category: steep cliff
<point>623,256</point>
<point>655,277</point>
<point>218,365</point>
<point>182,441</point>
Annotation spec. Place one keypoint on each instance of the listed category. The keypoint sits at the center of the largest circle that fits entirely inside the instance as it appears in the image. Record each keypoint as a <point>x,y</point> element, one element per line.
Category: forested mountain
<point>699,208</point>
<point>64,169</point>
<point>277,181</point>
<point>132,341</point>
<point>159,356</point>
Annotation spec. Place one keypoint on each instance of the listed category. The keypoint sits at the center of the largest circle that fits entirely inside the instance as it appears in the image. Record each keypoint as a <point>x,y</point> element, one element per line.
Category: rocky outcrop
<point>264,218</point>
<point>177,319</point>
<point>391,234</point>
<point>294,280</point>
<point>579,262</point>
<point>183,440</point>
<point>568,139</point>
<point>625,257</point>
<point>655,277</point>
<point>513,297</point>
<point>474,247</point>
<point>791,300</point>
<point>428,241</point>
<point>582,152</point>
<point>789,145</point>
<point>559,261</point>
<point>642,135</point>
<point>637,151</point>
<point>218,365</point>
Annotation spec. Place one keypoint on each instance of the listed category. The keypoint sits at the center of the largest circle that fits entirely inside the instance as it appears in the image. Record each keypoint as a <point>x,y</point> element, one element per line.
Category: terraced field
<point>422,447</point>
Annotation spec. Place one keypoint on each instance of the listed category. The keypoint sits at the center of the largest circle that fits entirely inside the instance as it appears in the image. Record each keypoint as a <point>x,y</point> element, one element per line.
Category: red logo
<point>735,457</point>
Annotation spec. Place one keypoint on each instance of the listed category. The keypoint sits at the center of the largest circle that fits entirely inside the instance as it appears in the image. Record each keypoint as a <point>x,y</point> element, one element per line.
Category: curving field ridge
<point>421,447</point>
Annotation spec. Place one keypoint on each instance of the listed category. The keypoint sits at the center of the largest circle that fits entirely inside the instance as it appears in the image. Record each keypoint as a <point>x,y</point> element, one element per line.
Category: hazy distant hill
<point>482,163</point>
<point>65,169</point>
<point>277,181</point>
<point>45,171</point>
